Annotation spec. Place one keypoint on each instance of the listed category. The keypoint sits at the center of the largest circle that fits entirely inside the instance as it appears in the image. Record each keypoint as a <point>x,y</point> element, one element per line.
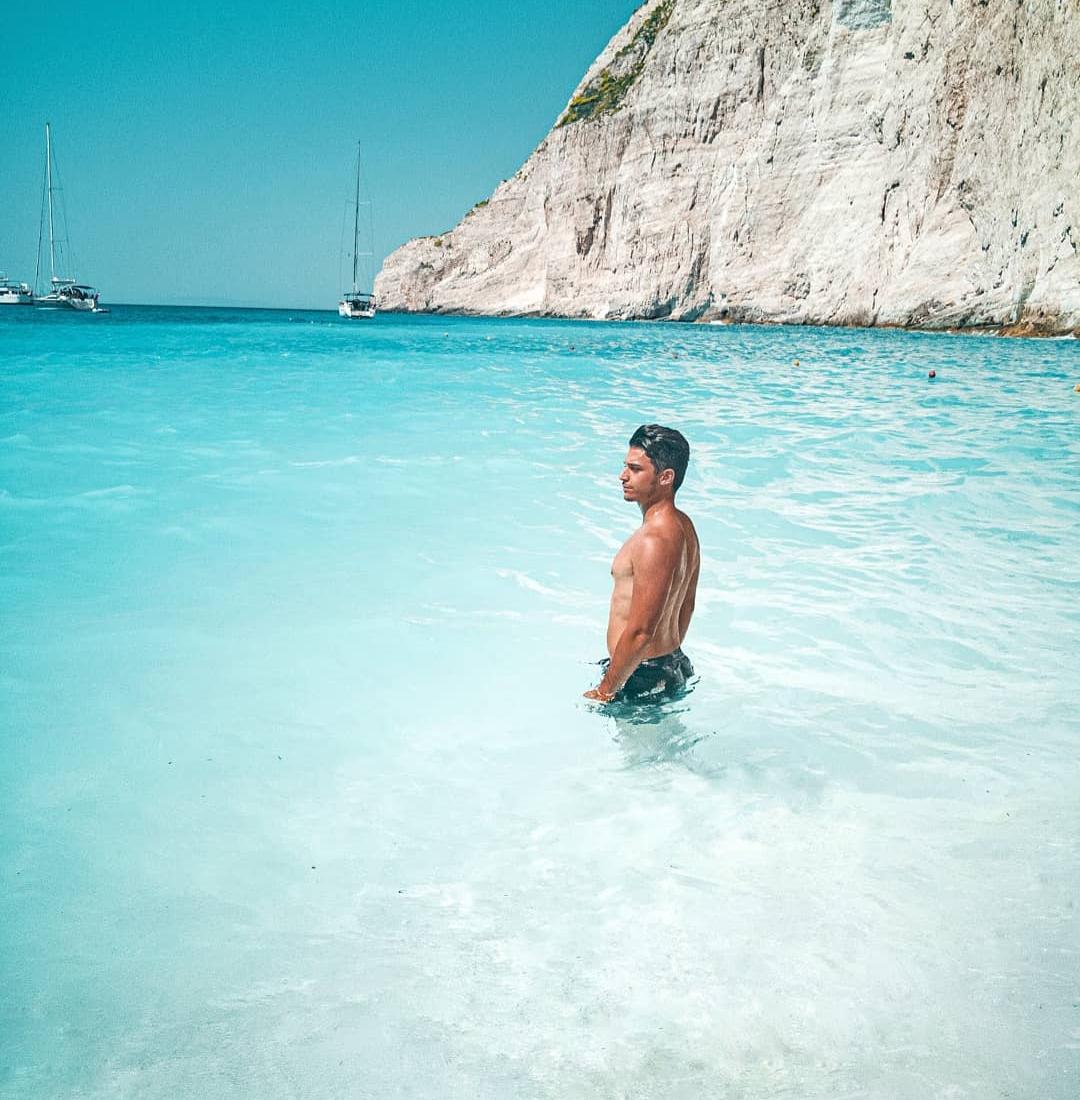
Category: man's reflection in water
<point>651,734</point>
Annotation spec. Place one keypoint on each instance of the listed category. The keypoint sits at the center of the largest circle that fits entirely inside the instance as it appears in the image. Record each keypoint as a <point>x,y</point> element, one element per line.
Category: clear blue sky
<point>206,149</point>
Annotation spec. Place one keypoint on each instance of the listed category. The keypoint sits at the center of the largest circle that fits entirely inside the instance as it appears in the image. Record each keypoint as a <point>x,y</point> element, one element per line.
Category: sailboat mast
<point>49,188</point>
<point>356,222</point>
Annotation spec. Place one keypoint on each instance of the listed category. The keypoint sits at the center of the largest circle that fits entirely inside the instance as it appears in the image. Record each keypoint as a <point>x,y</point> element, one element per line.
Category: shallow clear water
<point>300,795</point>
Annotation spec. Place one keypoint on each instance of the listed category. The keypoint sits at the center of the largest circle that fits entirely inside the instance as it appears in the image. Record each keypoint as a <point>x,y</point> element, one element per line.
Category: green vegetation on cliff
<point>605,93</point>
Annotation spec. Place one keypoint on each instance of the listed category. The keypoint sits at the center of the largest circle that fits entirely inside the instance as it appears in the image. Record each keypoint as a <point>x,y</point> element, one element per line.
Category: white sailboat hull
<point>54,301</point>
<point>15,294</point>
<point>356,310</point>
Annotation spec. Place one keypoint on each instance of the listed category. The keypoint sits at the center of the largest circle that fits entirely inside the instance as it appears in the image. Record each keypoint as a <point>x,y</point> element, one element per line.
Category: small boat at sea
<point>15,294</point>
<point>64,291</point>
<point>358,304</point>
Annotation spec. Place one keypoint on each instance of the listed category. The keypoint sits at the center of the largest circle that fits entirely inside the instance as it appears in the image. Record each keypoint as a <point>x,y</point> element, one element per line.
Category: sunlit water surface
<point>300,796</point>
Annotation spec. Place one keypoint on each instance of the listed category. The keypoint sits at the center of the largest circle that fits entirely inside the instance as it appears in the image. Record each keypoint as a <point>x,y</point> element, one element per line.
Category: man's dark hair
<point>667,449</point>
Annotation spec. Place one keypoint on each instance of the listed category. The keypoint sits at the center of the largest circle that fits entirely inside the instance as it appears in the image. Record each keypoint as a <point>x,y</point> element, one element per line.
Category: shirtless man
<point>655,575</point>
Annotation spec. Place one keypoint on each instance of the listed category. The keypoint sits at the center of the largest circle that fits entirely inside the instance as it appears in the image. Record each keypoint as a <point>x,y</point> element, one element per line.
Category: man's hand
<point>599,695</point>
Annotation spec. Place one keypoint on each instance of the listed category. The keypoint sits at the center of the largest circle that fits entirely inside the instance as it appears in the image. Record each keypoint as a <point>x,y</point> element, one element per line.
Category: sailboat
<point>64,292</point>
<point>356,303</point>
<point>14,294</point>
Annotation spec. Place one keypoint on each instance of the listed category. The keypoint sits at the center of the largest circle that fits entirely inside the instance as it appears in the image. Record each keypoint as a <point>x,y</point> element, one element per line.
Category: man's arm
<point>654,562</point>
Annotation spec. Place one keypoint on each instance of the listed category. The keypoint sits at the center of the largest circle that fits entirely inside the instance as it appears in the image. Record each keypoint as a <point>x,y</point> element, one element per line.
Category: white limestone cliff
<point>801,161</point>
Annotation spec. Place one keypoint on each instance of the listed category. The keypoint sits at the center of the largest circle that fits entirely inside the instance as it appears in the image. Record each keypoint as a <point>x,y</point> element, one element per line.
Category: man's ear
<point>667,477</point>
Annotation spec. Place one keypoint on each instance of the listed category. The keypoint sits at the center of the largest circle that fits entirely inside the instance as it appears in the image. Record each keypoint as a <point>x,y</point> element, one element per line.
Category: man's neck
<point>655,507</point>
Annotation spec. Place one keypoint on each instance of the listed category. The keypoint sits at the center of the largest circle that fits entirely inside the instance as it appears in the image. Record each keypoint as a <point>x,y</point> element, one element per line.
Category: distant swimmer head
<point>665,448</point>
<point>932,374</point>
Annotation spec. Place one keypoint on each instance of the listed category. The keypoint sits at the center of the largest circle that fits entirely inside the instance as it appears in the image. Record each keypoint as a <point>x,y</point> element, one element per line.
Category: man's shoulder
<point>670,535</point>
<point>663,536</point>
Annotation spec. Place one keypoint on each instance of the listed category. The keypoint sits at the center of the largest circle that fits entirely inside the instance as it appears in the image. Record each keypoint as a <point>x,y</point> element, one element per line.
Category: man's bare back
<point>655,573</point>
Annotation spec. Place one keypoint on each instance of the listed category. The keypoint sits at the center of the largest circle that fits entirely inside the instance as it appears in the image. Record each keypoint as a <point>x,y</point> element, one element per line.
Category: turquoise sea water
<point>300,797</point>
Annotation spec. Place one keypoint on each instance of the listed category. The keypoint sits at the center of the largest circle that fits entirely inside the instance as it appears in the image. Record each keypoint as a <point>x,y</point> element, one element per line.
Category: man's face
<point>639,478</point>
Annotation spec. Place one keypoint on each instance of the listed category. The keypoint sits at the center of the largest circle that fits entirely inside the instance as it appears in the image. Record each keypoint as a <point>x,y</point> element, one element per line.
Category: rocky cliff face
<point>853,162</point>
